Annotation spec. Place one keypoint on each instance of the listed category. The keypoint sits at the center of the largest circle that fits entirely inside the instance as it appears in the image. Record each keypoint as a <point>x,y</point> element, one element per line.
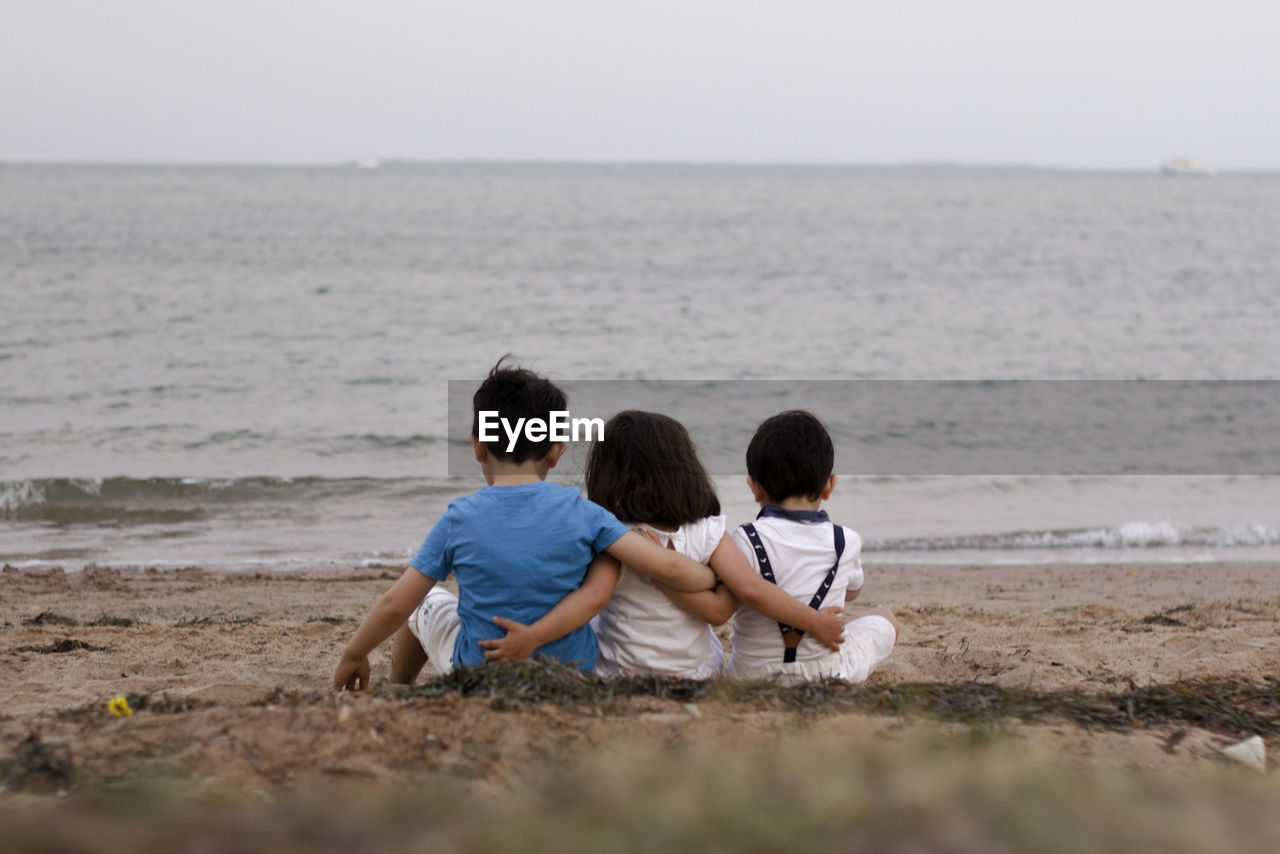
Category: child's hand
<point>520,642</point>
<point>829,627</point>
<point>352,674</point>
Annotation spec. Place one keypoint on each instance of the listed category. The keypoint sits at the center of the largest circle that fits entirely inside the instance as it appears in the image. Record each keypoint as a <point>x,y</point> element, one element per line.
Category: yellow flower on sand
<point>119,707</point>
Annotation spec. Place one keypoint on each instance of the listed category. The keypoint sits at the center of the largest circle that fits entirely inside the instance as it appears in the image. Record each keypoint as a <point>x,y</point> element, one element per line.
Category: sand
<point>235,669</point>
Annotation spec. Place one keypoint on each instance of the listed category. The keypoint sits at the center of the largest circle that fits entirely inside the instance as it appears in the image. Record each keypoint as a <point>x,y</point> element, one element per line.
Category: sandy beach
<point>231,671</point>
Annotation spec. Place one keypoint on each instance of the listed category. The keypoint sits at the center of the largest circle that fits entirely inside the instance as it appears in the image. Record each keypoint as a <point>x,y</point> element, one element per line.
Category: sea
<point>249,367</point>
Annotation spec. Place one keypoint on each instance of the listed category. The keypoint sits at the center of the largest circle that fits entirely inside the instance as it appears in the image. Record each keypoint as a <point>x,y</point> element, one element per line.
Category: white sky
<point>1089,83</point>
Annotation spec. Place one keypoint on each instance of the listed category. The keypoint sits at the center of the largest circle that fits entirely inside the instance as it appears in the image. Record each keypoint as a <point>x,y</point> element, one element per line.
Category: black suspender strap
<point>791,635</point>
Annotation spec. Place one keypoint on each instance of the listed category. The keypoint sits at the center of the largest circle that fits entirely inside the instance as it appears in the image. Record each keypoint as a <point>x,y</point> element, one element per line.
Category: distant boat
<point>1185,167</point>
<point>368,163</point>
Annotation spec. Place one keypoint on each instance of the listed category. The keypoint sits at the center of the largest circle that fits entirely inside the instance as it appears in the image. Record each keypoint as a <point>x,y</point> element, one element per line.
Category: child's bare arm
<point>714,606</point>
<point>387,615</point>
<point>826,626</point>
<point>851,595</point>
<point>664,565</point>
<point>570,613</point>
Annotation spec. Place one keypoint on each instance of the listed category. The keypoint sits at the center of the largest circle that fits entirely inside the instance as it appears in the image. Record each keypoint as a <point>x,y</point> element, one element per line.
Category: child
<point>518,546</point>
<point>646,471</point>
<point>792,543</point>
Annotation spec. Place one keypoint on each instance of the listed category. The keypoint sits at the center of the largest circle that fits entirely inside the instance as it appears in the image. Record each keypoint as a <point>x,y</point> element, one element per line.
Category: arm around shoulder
<point>826,626</point>
<point>572,612</point>
<point>664,565</point>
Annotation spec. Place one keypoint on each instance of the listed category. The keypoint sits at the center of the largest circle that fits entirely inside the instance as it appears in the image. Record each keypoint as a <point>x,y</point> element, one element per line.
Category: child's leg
<point>887,614</point>
<point>868,640</point>
<point>433,630</point>
<point>407,657</point>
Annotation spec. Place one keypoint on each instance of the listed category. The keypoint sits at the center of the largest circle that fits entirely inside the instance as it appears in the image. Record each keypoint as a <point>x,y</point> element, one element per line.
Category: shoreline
<point>942,561</point>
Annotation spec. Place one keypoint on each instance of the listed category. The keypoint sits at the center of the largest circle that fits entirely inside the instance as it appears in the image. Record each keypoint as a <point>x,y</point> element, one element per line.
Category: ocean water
<point>235,366</point>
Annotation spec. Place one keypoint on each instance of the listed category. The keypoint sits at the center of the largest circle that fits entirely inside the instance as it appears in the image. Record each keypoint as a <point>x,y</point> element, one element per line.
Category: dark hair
<point>646,469</point>
<point>516,393</point>
<point>791,454</point>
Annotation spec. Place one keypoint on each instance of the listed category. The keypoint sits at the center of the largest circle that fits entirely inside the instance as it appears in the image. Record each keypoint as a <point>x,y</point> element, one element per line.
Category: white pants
<point>867,642</point>
<point>435,624</point>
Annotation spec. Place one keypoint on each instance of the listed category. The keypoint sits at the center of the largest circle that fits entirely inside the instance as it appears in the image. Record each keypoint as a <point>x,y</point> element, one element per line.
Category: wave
<point>230,503</point>
<point>323,446</point>
<point>19,494</point>
<point>124,501</point>
<point>1130,535</point>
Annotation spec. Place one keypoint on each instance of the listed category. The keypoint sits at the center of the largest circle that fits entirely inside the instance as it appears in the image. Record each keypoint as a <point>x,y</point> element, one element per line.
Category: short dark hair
<point>516,393</point>
<point>791,454</point>
<point>646,469</point>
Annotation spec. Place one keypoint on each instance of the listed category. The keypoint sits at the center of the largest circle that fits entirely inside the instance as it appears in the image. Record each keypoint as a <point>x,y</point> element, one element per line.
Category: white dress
<point>641,632</point>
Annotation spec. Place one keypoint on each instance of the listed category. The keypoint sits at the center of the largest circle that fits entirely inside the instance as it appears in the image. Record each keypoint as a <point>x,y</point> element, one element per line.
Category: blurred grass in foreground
<point>947,781</point>
<point>931,791</point>
<point>1230,706</point>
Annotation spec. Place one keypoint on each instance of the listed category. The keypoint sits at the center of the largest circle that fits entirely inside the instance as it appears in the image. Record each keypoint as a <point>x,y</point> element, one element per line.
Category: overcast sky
<point>1087,83</point>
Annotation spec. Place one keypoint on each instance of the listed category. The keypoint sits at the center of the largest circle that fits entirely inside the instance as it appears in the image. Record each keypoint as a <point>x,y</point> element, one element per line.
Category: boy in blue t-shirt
<point>518,546</point>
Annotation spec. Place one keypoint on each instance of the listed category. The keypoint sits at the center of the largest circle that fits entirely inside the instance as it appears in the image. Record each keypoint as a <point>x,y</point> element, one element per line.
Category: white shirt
<point>801,554</point>
<point>642,632</point>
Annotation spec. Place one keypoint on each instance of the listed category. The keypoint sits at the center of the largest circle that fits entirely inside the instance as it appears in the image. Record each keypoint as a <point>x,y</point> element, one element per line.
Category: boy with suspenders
<point>793,544</point>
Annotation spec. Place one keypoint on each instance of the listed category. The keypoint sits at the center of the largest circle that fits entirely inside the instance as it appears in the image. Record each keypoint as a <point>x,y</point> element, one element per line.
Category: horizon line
<point>381,162</point>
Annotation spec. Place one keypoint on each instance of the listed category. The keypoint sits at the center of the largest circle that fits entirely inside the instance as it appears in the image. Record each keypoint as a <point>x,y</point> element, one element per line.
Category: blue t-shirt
<point>517,551</point>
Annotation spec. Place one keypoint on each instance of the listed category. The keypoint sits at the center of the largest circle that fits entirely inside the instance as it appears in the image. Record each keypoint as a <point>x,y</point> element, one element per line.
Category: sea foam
<point>18,494</point>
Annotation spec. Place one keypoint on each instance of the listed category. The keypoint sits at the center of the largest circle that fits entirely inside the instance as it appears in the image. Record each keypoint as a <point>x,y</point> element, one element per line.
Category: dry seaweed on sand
<point>1229,707</point>
<point>514,686</point>
<point>161,704</point>
<point>1162,620</point>
<point>49,618</point>
<point>107,620</point>
<point>64,645</point>
<point>37,765</point>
